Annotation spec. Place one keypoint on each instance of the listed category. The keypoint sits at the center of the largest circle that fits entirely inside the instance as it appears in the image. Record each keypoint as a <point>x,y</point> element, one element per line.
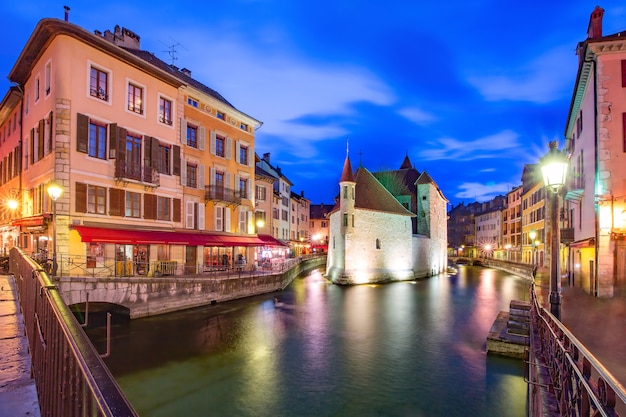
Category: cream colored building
<point>157,170</point>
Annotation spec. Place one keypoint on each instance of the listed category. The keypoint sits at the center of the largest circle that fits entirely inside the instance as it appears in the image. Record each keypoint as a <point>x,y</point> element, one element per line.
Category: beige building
<point>156,169</point>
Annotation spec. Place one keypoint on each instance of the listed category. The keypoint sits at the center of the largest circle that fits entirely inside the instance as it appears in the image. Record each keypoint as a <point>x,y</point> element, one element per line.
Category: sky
<point>470,91</point>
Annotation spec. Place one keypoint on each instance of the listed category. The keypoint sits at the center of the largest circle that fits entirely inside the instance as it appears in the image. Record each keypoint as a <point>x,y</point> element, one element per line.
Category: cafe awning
<point>146,237</point>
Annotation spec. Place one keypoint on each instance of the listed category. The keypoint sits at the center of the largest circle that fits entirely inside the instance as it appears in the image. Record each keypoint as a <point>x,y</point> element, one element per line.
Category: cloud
<point>481,192</point>
<point>417,116</point>
<point>491,146</point>
<point>540,81</point>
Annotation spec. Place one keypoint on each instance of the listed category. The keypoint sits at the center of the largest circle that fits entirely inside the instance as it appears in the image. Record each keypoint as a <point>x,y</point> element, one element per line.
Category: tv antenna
<point>173,51</point>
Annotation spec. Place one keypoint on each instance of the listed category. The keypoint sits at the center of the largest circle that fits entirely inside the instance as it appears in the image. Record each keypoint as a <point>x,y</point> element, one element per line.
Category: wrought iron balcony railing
<point>143,174</point>
<point>218,193</point>
<point>567,235</point>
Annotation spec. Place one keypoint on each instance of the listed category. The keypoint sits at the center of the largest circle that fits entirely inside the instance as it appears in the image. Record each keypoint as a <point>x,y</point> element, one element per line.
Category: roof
<point>346,174</point>
<point>320,211</point>
<point>425,178</point>
<point>372,195</point>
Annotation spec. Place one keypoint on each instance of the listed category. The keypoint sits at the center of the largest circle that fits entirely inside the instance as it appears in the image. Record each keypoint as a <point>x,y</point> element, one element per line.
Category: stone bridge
<point>151,296</point>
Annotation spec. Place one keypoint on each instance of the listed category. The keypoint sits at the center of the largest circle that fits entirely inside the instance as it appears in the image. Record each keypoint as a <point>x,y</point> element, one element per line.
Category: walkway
<point>18,395</point>
<point>598,323</point>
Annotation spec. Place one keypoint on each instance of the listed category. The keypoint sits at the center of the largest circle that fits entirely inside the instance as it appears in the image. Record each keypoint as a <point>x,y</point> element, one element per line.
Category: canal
<point>402,349</point>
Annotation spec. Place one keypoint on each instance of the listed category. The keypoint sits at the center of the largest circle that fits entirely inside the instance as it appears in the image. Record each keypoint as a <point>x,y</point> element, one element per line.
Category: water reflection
<point>398,349</point>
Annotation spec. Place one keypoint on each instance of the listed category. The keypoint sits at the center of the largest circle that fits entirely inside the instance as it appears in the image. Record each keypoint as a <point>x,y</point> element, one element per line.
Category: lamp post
<point>54,192</point>
<point>532,235</point>
<point>554,169</point>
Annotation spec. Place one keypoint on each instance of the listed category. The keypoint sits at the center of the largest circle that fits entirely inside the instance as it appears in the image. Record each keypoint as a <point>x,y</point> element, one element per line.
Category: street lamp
<point>532,235</point>
<point>508,251</point>
<point>54,192</point>
<point>554,169</point>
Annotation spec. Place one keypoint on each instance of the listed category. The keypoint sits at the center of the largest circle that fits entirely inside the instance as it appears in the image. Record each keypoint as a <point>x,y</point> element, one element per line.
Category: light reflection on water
<point>403,349</point>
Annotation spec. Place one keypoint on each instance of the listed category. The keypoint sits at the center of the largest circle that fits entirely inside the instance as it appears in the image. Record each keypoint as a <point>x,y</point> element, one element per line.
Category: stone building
<point>378,237</point>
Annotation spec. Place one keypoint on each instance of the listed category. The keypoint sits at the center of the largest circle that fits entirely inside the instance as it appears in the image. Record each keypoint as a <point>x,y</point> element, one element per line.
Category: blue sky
<point>471,91</point>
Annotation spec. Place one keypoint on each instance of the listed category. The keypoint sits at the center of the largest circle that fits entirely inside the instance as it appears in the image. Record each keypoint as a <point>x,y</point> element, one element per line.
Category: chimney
<point>122,37</point>
<point>67,13</point>
<point>186,71</point>
<point>595,23</point>
<point>266,157</point>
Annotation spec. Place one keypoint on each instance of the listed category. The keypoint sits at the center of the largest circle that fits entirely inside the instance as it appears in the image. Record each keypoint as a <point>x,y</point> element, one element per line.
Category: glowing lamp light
<point>532,235</point>
<point>554,167</point>
<point>12,204</point>
<point>54,191</point>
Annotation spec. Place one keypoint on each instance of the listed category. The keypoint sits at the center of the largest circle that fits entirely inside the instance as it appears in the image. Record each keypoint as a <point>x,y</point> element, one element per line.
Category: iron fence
<point>573,382</point>
<point>71,378</point>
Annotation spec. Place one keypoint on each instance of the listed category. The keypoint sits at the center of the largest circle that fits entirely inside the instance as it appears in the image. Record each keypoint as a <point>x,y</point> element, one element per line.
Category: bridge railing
<point>70,376</point>
<point>560,365</point>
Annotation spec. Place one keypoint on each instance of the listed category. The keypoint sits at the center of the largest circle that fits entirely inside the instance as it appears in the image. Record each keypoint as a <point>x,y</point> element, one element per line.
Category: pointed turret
<point>406,164</point>
<point>346,174</point>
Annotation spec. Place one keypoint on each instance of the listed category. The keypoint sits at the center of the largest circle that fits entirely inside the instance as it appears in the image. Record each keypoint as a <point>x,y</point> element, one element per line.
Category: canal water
<point>318,349</point>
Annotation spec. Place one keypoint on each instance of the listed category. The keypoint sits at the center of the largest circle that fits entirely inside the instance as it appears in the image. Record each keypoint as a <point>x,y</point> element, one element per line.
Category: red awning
<point>269,240</point>
<point>31,221</point>
<point>146,237</point>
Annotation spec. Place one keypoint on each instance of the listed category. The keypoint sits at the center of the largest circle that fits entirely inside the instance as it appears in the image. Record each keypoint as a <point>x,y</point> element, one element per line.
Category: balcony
<point>217,193</point>
<point>143,174</point>
<point>567,235</point>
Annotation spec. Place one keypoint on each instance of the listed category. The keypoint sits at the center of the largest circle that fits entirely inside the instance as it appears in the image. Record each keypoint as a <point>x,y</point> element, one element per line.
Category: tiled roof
<point>319,211</point>
<point>371,195</point>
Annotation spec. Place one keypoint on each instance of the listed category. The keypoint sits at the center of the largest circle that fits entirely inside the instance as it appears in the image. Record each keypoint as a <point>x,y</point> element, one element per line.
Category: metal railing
<point>71,378</point>
<point>576,382</point>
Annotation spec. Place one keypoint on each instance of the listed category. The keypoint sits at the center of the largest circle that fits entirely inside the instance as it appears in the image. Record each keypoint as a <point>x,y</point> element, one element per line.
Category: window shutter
<point>219,218</point>
<point>155,162</point>
<point>229,148</point>
<point>201,177</point>
<point>189,214</point>
<point>237,151</point>
<point>183,131</point>
<point>50,132</point>
<point>176,210</point>
<point>176,161</point>
<point>202,138</point>
<point>117,202</point>
<point>41,138</point>
<point>211,176</point>
<point>227,180</point>
<point>249,189</point>
<point>226,219</point>
<point>112,140</point>
<point>623,72</point>
<point>237,183</point>
<point>212,144</point>
<point>121,143</point>
<point>149,206</point>
<point>82,133</point>
<point>32,146</point>
<point>81,197</point>
<point>200,216</point>
<point>147,151</point>
<point>183,172</point>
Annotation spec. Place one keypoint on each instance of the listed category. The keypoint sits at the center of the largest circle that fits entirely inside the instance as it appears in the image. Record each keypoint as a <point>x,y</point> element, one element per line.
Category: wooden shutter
<point>117,202</point>
<point>201,177</point>
<point>82,133</point>
<point>623,72</point>
<point>177,210</point>
<point>41,137</point>
<point>112,140</point>
<point>32,146</point>
<point>155,161</point>
<point>176,161</point>
<point>147,151</point>
<point>229,148</point>
<point>212,144</point>
<point>50,131</point>
<point>81,197</point>
<point>201,138</point>
<point>183,131</point>
<point>190,207</point>
<point>200,208</point>
<point>149,206</point>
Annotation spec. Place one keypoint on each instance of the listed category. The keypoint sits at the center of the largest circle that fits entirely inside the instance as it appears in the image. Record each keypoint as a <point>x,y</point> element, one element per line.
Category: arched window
<point>377,243</point>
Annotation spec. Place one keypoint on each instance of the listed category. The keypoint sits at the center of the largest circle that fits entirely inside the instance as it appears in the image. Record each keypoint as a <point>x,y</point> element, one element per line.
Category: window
<point>165,111</point>
<point>220,115</point>
<point>345,219</point>
<point>220,146</point>
<point>96,199</point>
<point>135,98</point>
<point>163,208</point>
<point>163,163</point>
<point>260,193</point>
<point>37,86</point>
<point>133,204</point>
<point>99,84</point>
<point>97,140</point>
<point>133,157</point>
<point>47,79</point>
<point>243,126</point>
<point>192,136</point>
<point>192,102</point>
<point>260,219</point>
<point>243,187</point>
<point>285,215</point>
<point>243,155</point>
<point>192,175</point>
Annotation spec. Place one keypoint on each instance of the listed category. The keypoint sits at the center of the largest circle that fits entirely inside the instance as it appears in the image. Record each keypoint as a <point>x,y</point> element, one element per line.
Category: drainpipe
<point>596,176</point>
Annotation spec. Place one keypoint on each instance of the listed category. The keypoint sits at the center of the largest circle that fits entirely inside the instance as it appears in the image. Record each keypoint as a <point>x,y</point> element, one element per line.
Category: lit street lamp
<point>54,192</point>
<point>554,169</point>
<point>532,235</point>
<point>508,251</point>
